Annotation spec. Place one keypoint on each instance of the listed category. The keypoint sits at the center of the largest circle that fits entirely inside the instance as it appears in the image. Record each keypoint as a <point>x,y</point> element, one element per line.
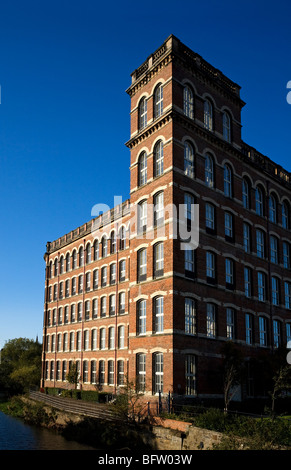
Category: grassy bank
<point>243,432</point>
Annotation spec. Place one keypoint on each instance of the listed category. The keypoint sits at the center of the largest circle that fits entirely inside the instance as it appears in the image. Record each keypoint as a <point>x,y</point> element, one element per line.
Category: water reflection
<point>16,435</point>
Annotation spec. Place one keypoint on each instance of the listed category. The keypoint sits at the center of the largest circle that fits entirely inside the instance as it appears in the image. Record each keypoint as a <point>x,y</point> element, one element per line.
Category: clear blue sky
<point>64,113</point>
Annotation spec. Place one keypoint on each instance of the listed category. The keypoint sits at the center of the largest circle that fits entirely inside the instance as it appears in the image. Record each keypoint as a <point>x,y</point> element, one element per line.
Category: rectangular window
<point>110,372</point>
<point>93,372</point>
<point>112,304</point>
<point>121,337</point>
<point>79,341</point>
<point>260,244</point>
<point>286,255</point>
<point>287,289</point>
<point>94,340</point>
<point>159,209</point>
<point>80,284</point>
<point>275,291</point>
<point>230,323</point>
<point>120,372</point>
<point>104,276</point>
<point>228,225</point>
<point>102,338</point>
<point>101,372</point>
<point>103,306</point>
<point>190,367</point>
<point>261,287</point>
<point>95,309</point>
<point>229,272</point>
<point>142,265</point>
<point>263,331</point>
<point>189,261</point>
<point>210,320</point>
<point>80,311</point>
<point>95,279</point>
<point>190,316</point>
<point>88,282</point>
<point>158,368</point>
<point>141,371</point>
<point>274,249</point>
<point>142,217</point>
<point>247,282</point>
<point>122,271</point>
<point>111,337</point>
<point>247,238</point>
<point>86,340</point>
<point>141,317</point>
<point>210,216</point>
<point>112,274</point>
<point>159,315</point>
<point>277,333</point>
<point>210,265</point>
<point>159,260</point>
<point>87,309</point>
<point>249,328</point>
<point>121,303</point>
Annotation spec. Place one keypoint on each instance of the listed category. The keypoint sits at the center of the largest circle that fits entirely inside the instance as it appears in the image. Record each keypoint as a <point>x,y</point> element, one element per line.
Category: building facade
<point>123,299</point>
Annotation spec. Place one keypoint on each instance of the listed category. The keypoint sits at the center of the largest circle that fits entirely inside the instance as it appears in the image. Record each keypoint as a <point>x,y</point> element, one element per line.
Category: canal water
<point>16,435</point>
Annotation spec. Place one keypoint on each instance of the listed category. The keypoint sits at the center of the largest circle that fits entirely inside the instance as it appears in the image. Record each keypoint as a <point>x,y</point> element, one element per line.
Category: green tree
<point>232,371</point>
<point>281,384</point>
<point>73,374</point>
<point>20,367</point>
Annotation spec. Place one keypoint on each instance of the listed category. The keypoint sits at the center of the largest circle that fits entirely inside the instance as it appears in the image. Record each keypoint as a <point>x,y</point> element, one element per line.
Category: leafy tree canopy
<point>20,366</point>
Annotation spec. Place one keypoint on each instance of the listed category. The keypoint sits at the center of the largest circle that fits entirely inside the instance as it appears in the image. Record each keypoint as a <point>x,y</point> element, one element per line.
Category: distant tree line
<point>20,365</point>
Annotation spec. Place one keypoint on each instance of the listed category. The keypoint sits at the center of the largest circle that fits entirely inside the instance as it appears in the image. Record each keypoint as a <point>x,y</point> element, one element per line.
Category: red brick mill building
<point>125,301</point>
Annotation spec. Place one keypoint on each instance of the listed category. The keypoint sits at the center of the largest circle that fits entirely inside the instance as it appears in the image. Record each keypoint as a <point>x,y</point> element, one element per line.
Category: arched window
<point>209,171</point>
<point>88,253</point>
<point>158,209</point>
<point>158,259</point>
<point>142,217</point>
<point>50,270</point>
<point>141,317</point>
<point>56,267</point>
<point>112,242</point>
<point>142,114</point>
<point>158,159</point>
<point>208,115</point>
<point>142,265</point>
<point>188,102</point>
<point>81,256</point>
<point>259,201</point>
<point>122,238</point>
<point>96,250</point>
<point>272,209</point>
<point>227,181</point>
<point>142,169</point>
<point>74,259</point>
<point>158,101</point>
<point>104,246</point>
<point>285,215</point>
<point>226,123</point>
<point>189,160</point>
<point>68,264</point>
<point>61,265</point>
